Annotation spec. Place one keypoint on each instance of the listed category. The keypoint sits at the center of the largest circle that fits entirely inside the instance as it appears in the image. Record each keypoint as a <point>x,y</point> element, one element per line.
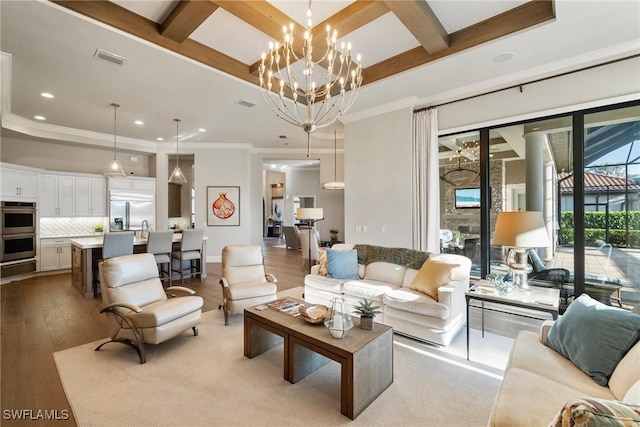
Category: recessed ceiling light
<point>139,122</point>
<point>47,95</point>
<point>40,118</point>
<point>159,139</point>
<point>202,130</point>
<point>504,57</point>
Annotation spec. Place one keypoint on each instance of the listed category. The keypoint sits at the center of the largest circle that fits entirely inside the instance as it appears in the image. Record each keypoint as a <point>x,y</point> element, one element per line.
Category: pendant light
<point>177,177</point>
<point>115,168</point>
<point>335,184</point>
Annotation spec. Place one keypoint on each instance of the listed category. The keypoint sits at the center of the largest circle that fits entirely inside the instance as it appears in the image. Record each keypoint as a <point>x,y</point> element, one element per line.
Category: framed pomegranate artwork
<point>223,205</point>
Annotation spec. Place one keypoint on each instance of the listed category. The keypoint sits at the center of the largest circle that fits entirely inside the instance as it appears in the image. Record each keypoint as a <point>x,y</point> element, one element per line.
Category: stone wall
<point>467,221</point>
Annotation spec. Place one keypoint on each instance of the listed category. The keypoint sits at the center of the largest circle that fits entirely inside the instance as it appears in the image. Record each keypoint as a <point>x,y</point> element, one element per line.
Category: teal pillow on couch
<point>594,336</point>
<point>342,264</point>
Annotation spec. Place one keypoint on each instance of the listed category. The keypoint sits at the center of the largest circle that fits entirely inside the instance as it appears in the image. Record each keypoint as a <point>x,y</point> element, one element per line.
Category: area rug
<point>206,380</point>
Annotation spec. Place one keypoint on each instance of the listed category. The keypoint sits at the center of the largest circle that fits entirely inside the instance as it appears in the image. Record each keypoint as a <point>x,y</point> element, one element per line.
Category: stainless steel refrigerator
<point>129,208</point>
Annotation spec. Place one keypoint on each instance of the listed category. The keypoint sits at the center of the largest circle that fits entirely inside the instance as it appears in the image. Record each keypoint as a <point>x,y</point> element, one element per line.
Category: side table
<point>540,299</point>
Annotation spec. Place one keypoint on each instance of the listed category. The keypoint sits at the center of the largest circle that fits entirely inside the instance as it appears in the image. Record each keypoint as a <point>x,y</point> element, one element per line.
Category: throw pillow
<point>322,263</point>
<point>431,276</point>
<point>594,336</point>
<point>342,264</point>
<point>596,412</point>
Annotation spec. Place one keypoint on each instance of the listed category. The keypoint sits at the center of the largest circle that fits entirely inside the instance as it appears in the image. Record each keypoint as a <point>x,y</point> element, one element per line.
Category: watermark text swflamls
<point>35,414</point>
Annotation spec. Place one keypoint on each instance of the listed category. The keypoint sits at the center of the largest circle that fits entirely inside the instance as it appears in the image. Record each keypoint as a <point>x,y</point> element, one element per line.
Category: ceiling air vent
<point>247,104</point>
<point>111,57</point>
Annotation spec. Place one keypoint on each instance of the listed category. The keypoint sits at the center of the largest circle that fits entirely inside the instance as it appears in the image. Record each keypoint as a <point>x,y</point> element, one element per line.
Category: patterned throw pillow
<point>597,413</point>
<point>322,263</point>
<point>431,276</point>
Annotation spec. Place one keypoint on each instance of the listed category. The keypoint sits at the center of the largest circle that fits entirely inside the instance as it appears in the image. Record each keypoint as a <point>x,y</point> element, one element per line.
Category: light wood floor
<point>46,314</point>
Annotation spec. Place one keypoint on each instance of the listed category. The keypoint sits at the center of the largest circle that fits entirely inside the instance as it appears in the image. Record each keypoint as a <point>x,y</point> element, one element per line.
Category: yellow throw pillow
<point>322,261</point>
<point>431,276</point>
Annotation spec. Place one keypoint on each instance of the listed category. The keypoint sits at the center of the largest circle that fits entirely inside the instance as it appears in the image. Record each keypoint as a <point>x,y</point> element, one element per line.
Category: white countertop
<point>96,241</point>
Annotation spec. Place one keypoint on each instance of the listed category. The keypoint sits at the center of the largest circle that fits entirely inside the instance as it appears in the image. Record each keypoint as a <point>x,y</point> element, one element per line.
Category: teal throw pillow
<point>594,336</point>
<point>342,264</point>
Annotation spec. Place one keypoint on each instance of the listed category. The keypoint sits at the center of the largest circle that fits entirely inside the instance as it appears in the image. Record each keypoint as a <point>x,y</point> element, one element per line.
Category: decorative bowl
<point>314,314</point>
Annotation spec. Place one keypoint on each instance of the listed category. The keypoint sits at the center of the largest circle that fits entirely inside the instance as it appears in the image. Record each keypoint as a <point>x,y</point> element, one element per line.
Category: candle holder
<point>338,319</point>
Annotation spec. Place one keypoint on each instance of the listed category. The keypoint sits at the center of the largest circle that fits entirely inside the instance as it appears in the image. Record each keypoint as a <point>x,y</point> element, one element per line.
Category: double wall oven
<point>18,231</point>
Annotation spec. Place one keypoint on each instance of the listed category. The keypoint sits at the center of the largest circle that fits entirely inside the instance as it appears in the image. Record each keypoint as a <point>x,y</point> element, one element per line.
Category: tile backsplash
<point>179,223</point>
<point>69,227</point>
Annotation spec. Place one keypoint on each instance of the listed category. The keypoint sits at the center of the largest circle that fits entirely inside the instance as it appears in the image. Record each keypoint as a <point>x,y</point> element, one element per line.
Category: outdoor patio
<point>609,265</point>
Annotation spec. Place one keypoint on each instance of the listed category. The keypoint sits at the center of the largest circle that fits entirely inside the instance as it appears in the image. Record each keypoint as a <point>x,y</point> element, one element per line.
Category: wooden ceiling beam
<point>268,19</point>
<point>116,16</point>
<point>517,19</point>
<point>347,20</point>
<point>185,18</point>
<point>420,20</point>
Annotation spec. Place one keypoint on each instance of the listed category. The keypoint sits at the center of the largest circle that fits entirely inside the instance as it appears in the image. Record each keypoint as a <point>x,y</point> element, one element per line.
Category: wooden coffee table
<point>366,357</point>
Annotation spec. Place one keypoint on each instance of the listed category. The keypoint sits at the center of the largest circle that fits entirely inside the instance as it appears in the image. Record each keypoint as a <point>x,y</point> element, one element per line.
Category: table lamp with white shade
<point>309,216</point>
<point>521,231</point>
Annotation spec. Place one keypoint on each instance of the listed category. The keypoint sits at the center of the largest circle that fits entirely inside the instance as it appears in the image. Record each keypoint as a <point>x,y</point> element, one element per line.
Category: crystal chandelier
<point>302,100</point>
<point>115,168</point>
<point>177,177</point>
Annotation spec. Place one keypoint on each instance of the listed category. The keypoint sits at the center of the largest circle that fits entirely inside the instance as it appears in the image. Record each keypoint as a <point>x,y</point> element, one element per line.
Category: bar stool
<point>114,244</point>
<point>160,244</point>
<point>190,250</point>
<point>118,243</point>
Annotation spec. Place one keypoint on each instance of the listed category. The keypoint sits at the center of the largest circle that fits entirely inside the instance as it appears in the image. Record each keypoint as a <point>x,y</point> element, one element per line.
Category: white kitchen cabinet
<point>18,184</point>
<point>90,199</point>
<point>137,183</point>
<point>55,254</point>
<point>57,196</point>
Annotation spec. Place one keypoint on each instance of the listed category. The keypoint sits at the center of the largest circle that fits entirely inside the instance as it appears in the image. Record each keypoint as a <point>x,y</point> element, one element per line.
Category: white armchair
<point>244,280</point>
<point>137,307</point>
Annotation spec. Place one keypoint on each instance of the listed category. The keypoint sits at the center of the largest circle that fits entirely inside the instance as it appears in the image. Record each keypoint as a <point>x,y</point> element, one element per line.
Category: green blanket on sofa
<point>409,258</point>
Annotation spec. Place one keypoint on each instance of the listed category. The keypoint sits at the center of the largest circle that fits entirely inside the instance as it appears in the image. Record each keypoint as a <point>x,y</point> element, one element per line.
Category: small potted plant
<point>98,229</point>
<point>456,237</point>
<point>367,311</point>
<point>333,233</point>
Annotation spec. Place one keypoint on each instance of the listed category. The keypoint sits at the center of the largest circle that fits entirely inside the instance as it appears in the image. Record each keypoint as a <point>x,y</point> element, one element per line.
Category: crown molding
<point>5,83</point>
<point>584,60</point>
<point>589,59</point>
<point>409,102</point>
<point>78,136</point>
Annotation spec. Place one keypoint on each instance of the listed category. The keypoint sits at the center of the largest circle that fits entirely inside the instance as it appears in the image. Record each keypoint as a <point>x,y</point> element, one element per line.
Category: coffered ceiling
<point>197,60</point>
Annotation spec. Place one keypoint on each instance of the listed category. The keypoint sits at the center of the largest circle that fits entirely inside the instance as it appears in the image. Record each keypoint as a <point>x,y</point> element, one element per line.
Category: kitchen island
<point>86,251</point>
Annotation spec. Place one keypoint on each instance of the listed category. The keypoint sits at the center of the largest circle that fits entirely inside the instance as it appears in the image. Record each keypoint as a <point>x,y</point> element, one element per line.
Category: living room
<point>376,136</point>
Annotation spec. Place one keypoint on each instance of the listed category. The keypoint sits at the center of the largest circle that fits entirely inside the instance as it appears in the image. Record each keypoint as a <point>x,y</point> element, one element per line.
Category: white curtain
<point>426,181</point>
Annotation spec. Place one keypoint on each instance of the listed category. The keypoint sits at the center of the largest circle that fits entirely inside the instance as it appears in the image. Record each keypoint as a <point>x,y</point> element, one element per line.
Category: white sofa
<point>409,312</point>
<point>538,382</point>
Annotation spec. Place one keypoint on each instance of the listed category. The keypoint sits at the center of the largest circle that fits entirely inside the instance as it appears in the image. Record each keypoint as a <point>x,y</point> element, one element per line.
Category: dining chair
<point>190,251</point>
<point>160,244</point>
<point>291,237</point>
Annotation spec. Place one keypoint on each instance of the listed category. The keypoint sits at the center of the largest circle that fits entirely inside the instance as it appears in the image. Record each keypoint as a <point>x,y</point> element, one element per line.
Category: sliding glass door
<point>581,170</point>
